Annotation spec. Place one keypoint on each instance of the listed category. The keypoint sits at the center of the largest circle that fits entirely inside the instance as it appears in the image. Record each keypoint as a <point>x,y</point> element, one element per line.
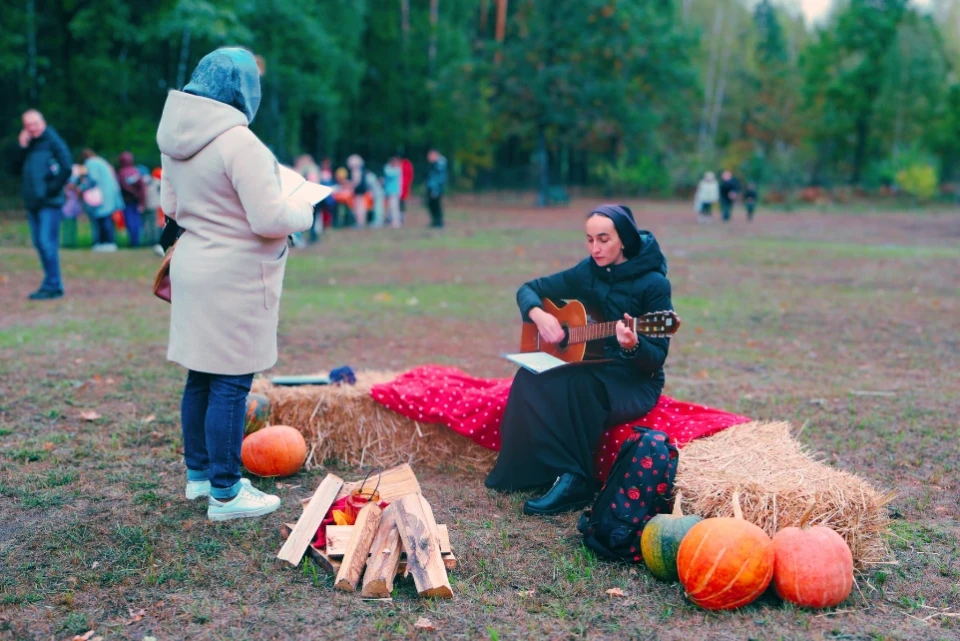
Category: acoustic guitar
<point>586,331</point>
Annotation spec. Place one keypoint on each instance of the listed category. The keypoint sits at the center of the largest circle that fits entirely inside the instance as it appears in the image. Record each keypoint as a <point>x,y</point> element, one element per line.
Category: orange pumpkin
<point>725,563</point>
<point>813,567</point>
<point>278,450</point>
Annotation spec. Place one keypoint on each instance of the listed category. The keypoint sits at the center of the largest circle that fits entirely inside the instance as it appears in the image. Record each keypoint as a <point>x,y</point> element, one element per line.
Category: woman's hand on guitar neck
<point>547,325</point>
<point>625,335</point>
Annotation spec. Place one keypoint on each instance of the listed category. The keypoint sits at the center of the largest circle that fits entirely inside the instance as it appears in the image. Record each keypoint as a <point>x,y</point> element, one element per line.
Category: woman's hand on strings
<point>625,335</point>
<point>547,324</point>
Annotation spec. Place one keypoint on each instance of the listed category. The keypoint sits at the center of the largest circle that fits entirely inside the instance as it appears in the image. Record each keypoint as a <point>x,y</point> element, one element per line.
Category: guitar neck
<point>595,332</point>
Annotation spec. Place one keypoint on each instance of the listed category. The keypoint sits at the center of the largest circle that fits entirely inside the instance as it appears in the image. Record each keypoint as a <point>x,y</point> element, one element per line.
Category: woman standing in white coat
<point>221,186</point>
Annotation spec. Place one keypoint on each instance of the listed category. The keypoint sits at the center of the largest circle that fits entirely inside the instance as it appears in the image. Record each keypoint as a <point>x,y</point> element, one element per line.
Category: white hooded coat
<point>222,186</point>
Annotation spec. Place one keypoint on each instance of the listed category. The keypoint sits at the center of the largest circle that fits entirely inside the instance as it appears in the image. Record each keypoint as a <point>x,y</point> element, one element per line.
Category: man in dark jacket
<point>46,166</point>
<point>729,186</point>
<point>436,185</point>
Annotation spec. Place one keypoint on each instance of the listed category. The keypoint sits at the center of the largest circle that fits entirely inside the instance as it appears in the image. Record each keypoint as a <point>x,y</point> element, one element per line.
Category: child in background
<point>134,195</point>
<point>391,189</point>
<point>708,193</point>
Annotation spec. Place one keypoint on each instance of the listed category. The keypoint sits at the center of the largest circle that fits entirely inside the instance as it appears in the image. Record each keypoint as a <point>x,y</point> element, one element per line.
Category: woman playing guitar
<point>554,420</point>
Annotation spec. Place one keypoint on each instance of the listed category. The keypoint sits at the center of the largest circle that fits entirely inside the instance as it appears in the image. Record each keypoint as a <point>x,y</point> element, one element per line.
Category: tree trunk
<point>542,165</point>
<point>32,52</point>
<point>184,58</point>
<point>501,28</point>
<point>432,53</point>
<point>725,55</point>
<point>405,66</point>
<point>484,9</point>
<point>860,151</point>
<point>712,65</point>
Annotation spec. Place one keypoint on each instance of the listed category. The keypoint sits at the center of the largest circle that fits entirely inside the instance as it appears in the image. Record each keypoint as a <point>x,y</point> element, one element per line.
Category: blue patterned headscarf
<point>228,75</point>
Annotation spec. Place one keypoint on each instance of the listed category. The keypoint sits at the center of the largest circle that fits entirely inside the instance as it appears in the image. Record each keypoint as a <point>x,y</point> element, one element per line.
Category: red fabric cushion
<point>474,408</point>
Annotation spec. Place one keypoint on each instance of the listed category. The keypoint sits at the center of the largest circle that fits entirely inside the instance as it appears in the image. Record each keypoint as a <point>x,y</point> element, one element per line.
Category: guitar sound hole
<point>566,338</point>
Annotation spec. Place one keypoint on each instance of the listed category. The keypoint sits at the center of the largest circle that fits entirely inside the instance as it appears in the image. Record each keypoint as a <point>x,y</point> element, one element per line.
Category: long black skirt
<point>551,425</point>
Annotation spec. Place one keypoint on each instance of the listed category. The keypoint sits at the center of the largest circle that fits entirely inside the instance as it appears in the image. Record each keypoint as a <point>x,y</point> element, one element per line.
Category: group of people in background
<point>726,192</point>
<point>361,198</point>
<point>127,196</point>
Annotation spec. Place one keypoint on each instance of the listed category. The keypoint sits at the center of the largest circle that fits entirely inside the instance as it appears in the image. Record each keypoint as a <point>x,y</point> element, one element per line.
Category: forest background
<point>631,98</point>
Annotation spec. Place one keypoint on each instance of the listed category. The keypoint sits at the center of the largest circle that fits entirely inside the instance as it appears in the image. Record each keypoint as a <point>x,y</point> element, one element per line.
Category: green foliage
<point>637,97</point>
<point>919,181</point>
<point>642,176</point>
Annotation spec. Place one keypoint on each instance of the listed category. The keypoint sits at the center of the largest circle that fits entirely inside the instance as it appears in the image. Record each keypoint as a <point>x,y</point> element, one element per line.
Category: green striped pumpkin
<point>257,413</point>
<point>661,539</point>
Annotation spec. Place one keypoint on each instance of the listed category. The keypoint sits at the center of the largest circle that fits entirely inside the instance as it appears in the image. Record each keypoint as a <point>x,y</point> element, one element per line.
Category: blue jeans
<point>212,413</point>
<point>45,232</point>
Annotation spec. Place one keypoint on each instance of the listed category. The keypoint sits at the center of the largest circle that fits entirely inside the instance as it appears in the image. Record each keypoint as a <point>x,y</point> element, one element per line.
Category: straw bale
<point>344,422</point>
<point>777,478</point>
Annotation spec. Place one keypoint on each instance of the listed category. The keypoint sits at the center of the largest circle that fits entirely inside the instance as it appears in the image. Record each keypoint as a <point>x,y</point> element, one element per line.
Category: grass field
<point>792,318</point>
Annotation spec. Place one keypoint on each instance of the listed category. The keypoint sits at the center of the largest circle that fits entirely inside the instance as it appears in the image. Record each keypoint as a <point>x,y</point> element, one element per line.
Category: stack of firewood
<point>402,539</point>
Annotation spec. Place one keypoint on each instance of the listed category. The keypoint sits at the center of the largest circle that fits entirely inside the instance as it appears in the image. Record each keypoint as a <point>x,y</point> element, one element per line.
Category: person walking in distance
<point>436,185</point>
<point>729,188</point>
<point>46,164</point>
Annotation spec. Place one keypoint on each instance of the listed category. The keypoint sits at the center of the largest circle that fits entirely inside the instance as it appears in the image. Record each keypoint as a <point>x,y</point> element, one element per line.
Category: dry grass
<point>345,423</point>
<point>777,478</point>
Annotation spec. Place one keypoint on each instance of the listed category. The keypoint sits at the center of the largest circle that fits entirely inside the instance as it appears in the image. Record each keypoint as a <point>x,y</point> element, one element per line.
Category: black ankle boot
<point>570,492</point>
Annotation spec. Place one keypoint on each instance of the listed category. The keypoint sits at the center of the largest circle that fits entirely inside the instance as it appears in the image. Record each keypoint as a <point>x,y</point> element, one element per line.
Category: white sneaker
<point>196,489</point>
<point>248,503</point>
<point>109,247</point>
<point>158,250</point>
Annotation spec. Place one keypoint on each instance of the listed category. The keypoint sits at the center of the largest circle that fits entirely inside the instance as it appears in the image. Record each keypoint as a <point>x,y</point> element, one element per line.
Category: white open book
<point>536,362</point>
<point>293,183</point>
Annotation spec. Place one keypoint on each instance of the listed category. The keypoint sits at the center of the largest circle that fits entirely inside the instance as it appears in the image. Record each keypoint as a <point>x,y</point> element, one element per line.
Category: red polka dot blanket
<point>474,407</point>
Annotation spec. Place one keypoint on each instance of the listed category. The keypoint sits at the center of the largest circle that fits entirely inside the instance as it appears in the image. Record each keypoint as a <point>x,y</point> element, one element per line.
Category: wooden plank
<point>394,483</point>
<point>325,562</point>
<point>384,557</point>
<point>351,569</point>
<point>338,537</point>
<point>421,542</point>
<point>309,521</point>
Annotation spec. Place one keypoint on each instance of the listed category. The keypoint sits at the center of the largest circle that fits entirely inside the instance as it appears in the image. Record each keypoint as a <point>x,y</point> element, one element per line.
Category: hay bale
<point>777,477</point>
<point>343,422</point>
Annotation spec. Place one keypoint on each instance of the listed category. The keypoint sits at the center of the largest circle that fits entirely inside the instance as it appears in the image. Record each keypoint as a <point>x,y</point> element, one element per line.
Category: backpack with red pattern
<point>638,488</point>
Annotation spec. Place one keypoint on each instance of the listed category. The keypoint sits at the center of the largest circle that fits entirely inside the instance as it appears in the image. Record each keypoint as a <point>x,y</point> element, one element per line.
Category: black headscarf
<point>625,225</point>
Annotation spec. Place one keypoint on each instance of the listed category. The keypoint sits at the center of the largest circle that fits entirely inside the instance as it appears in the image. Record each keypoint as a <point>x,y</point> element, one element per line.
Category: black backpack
<point>638,488</point>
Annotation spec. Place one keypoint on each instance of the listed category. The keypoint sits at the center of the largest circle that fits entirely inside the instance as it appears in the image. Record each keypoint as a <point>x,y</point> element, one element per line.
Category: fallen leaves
<point>89,415</point>
<point>149,419</point>
<point>423,623</point>
<point>615,592</point>
<point>87,636</point>
<point>136,615</point>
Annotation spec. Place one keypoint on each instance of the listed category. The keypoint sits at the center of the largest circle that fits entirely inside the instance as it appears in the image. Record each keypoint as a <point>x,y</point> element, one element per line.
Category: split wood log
<point>308,523</point>
<point>421,542</point>
<point>351,568</point>
<point>338,538</point>
<point>384,557</point>
<point>323,560</point>
<point>331,565</point>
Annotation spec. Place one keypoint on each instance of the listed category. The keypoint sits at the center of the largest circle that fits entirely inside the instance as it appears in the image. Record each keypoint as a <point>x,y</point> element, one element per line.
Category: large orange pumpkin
<point>813,566</point>
<point>278,450</point>
<point>725,563</point>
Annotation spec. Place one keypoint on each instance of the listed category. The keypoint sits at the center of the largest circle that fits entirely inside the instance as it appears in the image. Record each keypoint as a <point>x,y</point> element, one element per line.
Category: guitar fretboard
<point>594,332</point>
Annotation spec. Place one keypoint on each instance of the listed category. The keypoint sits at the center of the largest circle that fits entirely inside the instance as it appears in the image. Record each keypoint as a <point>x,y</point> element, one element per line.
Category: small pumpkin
<point>725,563</point>
<point>813,567</point>
<point>661,539</point>
<point>278,450</point>
<point>257,413</point>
